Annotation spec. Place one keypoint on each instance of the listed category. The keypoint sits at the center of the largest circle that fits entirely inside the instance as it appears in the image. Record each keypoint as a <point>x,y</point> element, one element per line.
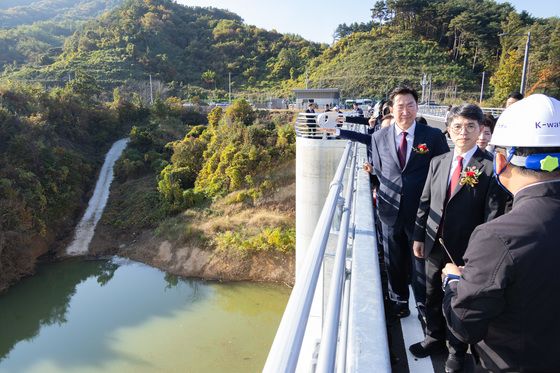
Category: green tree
<point>209,77</point>
<point>506,79</point>
<point>240,111</point>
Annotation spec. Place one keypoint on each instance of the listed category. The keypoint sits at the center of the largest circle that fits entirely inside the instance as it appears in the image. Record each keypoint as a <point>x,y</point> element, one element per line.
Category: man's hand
<point>418,249</point>
<point>368,168</point>
<point>327,130</point>
<point>452,269</point>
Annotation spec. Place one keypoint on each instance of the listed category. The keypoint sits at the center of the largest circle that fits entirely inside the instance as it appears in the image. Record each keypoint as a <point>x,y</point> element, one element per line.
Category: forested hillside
<point>33,31</point>
<point>372,63</point>
<point>175,43</point>
<point>453,41</point>
<point>36,44</point>
<point>193,51</point>
<point>21,12</point>
<point>52,146</point>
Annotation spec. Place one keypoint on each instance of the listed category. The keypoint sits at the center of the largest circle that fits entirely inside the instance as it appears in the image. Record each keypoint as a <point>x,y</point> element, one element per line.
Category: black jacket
<point>359,120</point>
<point>364,138</point>
<point>508,298</point>
<point>468,207</point>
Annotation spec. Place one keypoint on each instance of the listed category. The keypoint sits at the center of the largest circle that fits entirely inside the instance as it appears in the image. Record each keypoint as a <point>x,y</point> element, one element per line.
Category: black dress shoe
<point>454,363</point>
<point>423,349</point>
<point>402,310</point>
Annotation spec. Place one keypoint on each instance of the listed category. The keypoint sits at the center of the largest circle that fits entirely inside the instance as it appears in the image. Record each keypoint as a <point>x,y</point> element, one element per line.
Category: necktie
<point>402,150</point>
<point>455,177</point>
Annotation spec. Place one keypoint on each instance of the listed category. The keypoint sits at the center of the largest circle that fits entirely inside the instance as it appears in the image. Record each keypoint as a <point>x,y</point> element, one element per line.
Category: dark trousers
<point>436,328</point>
<point>402,266</point>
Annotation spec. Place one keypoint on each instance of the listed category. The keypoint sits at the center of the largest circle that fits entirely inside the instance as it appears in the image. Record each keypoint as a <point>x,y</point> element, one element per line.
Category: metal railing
<point>306,126</point>
<point>284,353</point>
<point>327,351</point>
<point>440,111</point>
<point>354,335</point>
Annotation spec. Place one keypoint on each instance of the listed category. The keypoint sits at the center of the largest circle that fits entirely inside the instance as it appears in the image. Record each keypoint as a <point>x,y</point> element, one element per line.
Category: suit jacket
<point>399,190</point>
<point>507,297</point>
<point>467,207</point>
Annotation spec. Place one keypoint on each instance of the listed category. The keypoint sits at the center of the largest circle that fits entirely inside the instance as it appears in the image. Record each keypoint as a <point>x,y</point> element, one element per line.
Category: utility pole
<point>229,87</point>
<point>306,80</point>
<point>151,91</point>
<point>430,90</point>
<point>423,84</point>
<point>525,59</point>
<point>482,87</point>
<point>525,64</point>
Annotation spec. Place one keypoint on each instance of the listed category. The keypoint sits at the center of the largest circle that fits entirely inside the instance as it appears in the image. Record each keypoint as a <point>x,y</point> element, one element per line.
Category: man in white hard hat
<point>506,298</point>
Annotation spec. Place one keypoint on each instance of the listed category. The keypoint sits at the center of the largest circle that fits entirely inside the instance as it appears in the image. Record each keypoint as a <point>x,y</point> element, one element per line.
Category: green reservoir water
<point>123,316</point>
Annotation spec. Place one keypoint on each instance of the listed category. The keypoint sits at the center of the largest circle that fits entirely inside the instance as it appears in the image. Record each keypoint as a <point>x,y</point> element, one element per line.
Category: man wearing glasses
<point>460,194</point>
<point>505,299</point>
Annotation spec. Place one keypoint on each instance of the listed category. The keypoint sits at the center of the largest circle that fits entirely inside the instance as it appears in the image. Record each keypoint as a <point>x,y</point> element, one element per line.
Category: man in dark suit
<point>460,194</point>
<point>505,298</point>
<point>401,155</point>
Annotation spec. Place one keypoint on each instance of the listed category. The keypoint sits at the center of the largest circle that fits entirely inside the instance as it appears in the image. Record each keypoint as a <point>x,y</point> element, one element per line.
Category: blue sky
<point>317,20</point>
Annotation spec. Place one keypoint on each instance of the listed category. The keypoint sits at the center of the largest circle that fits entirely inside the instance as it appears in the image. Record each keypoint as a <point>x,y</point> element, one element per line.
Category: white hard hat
<point>531,122</point>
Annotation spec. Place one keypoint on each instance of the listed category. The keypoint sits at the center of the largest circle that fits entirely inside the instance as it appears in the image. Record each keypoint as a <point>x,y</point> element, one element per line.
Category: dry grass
<point>274,210</point>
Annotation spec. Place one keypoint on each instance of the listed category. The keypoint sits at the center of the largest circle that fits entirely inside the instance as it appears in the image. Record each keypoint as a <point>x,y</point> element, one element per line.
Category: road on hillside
<point>435,122</point>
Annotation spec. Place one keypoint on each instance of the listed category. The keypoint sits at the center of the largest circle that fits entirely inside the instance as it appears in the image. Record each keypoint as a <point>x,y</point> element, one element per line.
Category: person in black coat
<point>505,299</point>
<point>357,109</point>
<point>460,193</point>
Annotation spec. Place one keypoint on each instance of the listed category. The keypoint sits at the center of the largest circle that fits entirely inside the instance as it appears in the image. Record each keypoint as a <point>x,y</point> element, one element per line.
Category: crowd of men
<point>475,231</point>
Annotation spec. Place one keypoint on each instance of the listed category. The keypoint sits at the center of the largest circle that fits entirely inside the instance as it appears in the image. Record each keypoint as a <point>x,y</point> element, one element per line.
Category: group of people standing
<point>497,289</point>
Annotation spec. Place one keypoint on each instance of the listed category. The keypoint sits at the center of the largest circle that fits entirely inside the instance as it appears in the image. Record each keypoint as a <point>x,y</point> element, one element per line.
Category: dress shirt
<point>466,159</point>
<point>409,139</point>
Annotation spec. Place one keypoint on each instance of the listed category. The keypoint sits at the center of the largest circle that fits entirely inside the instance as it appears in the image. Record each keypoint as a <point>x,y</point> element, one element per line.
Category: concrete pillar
<point>316,163</point>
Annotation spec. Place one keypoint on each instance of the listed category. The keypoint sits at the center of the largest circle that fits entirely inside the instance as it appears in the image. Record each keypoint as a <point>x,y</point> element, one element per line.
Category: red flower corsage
<point>470,176</point>
<point>421,149</point>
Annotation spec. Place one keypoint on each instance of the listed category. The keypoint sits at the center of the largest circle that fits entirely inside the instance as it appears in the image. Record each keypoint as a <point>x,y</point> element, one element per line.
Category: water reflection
<point>121,316</point>
<point>43,299</point>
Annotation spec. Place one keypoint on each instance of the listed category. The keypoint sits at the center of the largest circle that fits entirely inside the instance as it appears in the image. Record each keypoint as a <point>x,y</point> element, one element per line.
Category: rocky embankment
<point>190,261</point>
<point>194,254</point>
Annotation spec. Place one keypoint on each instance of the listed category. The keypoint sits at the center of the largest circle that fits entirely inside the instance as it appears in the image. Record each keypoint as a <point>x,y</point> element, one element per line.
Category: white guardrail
<point>353,337</point>
<point>440,111</point>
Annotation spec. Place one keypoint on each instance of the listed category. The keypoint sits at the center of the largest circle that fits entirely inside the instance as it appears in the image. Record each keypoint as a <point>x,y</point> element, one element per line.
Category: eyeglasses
<point>469,128</point>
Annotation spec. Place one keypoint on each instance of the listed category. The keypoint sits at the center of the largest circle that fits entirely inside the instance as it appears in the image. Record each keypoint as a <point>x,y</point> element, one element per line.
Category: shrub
<point>269,239</point>
<point>240,111</point>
